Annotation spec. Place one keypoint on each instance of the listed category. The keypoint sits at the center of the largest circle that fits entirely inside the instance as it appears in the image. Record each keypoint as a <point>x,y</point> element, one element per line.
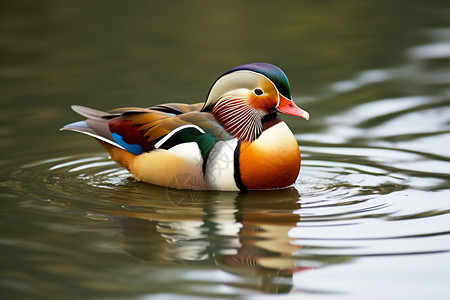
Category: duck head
<point>247,98</point>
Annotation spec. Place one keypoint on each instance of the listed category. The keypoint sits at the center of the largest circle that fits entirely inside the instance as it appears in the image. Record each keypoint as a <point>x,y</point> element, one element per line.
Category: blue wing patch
<point>132,148</point>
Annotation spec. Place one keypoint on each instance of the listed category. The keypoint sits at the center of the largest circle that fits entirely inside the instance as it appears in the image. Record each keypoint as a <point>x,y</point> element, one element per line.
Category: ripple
<point>430,51</point>
<point>366,201</point>
<point>69,179</point>
<point>363,79</point>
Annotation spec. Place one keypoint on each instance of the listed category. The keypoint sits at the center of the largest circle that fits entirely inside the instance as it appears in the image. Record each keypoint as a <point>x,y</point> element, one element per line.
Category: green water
<point>368,217</point>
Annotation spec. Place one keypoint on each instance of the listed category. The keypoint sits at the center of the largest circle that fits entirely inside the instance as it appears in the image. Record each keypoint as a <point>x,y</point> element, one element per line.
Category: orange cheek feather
<point>266,102</point>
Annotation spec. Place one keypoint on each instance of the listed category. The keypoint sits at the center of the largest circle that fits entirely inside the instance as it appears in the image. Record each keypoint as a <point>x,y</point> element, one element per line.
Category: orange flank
<point>272,161</point>
<point>160,167</point>
<point>120,156</point>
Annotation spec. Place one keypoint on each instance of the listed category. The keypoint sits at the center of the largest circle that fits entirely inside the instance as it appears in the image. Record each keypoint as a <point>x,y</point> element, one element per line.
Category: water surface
<point>368,216</point>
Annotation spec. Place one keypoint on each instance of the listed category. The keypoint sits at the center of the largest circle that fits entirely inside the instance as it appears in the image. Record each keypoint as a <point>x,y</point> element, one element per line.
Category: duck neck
<point>270,120</point>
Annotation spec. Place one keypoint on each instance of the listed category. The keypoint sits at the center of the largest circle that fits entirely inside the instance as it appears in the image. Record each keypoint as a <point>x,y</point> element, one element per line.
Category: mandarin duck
<point>234,141</point>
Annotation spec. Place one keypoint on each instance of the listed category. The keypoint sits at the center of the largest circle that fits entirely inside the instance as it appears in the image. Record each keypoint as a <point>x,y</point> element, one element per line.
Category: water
<point>367,218</point>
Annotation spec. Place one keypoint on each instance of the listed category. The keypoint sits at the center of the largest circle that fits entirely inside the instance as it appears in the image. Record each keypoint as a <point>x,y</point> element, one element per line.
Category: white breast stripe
<point>168,136</point>
<point>219,172</point>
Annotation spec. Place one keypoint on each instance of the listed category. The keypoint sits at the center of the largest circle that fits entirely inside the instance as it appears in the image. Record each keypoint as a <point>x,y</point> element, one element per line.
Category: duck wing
<point>139,130</point>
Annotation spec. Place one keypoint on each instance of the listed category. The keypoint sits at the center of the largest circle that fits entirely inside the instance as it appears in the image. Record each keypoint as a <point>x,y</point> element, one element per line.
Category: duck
<point>234,141</point>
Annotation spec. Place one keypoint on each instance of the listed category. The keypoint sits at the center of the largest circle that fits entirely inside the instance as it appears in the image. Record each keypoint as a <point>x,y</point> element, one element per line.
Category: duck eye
<point>258,91</point>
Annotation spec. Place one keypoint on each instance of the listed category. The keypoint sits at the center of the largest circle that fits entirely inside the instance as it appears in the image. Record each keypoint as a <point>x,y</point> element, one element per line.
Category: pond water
<point>368,217</point>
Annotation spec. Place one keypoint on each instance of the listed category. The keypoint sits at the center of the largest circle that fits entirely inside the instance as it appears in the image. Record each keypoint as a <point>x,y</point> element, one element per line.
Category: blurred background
<point>368,213</point>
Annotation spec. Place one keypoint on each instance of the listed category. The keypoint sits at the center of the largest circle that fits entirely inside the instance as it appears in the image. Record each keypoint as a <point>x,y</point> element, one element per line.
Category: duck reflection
<point>242,233</point>
<point>265,218</point>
